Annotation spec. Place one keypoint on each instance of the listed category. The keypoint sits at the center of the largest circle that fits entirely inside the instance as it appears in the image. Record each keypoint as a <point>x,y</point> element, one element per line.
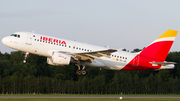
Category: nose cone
<point>5,41</point>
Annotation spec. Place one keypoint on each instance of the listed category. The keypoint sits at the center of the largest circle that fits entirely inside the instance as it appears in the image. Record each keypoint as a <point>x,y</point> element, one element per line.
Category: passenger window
<point>88,50</point>
<point>59,44</point>
<point>65,45</point>
<point>114,55</point>
<point>84,49</point>
<point>12,34</point>
<point>76,47</point>
<point>73,47</point>
<point>69,46</point>
<point>34,39</point>
<point>79,48</point>
<point>18,36</point>
<point>117,56</point>
<point>37,39</point>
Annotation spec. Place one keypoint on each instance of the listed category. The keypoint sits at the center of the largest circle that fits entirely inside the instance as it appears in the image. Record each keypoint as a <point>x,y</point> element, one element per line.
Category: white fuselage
<point>45,45</point>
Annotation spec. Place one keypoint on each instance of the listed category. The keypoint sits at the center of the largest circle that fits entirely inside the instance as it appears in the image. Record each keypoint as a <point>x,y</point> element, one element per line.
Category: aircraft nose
<point>4,41</point>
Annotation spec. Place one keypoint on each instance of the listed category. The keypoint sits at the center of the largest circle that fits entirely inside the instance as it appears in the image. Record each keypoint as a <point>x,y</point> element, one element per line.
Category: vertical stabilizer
<point>159,49</point>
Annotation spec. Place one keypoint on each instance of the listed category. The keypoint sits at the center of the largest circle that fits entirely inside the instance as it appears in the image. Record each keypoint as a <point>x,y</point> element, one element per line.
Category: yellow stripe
<point>169,33</point>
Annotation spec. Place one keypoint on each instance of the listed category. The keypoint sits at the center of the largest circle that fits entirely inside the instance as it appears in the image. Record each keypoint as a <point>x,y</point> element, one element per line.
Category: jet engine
<point>59,59</point>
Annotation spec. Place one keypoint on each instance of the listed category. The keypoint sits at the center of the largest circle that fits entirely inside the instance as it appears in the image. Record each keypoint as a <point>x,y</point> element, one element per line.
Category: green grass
<point>91,95</point>
<point>89,100</point>
<point>84,99</point>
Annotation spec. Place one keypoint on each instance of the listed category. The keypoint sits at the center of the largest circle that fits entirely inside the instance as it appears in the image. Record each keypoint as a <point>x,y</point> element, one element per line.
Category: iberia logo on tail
<point>154,55</point>
<point>159,49</point>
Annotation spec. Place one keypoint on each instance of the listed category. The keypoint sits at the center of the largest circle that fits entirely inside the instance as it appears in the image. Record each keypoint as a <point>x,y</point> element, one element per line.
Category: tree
<point>39,77</point>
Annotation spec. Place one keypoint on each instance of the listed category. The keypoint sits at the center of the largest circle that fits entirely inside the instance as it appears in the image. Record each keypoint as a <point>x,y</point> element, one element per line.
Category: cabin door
<point>29,39</point>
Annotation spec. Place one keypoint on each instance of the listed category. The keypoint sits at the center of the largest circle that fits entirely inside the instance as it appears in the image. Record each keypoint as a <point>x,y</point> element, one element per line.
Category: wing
<point>91,55</point>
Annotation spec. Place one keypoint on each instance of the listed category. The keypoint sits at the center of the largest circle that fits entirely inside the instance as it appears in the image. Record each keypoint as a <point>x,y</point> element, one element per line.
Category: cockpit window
<point>16,35</point>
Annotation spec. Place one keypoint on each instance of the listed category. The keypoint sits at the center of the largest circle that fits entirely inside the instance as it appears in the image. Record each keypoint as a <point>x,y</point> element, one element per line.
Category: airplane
<point>60,52</point>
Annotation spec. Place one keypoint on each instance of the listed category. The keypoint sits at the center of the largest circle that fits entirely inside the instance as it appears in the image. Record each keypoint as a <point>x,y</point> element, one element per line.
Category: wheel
<point>83,72</point>
<point>78,72</point>
<point>24,61</point>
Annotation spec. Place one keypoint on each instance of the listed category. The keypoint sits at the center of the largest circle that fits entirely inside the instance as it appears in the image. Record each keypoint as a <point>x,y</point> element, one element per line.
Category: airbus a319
<point>61,52</point>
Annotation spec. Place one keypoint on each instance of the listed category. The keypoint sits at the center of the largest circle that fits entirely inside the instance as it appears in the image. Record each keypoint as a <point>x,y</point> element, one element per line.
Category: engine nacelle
<point>59,59</point>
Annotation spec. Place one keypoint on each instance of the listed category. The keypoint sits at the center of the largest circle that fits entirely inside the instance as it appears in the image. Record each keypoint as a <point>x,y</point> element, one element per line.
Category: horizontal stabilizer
<point>162,63</point>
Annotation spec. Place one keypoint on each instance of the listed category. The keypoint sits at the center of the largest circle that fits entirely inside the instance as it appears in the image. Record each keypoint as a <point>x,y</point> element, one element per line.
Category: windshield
<point>16,35</point>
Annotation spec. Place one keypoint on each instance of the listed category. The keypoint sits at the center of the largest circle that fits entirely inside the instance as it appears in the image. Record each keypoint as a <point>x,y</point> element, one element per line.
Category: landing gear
<point>78,72</point>
<point>81,72</point>
<point>24,61</point>
<point>26,55</point>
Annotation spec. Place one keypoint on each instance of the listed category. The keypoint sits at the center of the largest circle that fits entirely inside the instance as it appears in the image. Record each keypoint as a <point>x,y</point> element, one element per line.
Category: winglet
<point>119,50</point>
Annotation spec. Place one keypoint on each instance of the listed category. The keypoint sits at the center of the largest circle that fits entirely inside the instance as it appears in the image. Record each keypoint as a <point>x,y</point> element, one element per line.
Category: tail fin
<point>159,49</point>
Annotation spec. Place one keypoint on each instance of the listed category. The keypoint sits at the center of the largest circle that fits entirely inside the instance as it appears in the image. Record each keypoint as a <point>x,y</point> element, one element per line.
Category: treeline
<point>36,76</point>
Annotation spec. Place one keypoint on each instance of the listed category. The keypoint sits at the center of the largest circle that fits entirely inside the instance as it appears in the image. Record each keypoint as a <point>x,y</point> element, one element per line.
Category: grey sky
<point>126,24</point>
